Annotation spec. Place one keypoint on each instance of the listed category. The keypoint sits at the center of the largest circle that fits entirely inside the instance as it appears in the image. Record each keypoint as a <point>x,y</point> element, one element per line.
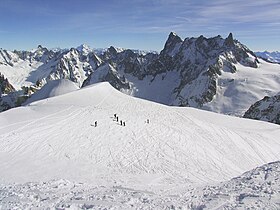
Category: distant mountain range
<point>216,74</point>
<point>270,56</point>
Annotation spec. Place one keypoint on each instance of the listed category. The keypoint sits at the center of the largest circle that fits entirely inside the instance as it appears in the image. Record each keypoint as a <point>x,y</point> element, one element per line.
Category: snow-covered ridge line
<point>273,56</point>
<point>175,160</point>
<point>216,74</point>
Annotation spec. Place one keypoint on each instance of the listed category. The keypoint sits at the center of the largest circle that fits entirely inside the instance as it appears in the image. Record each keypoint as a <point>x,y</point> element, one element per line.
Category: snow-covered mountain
<point>216,74</point>
<point>5,89</point>
<point>179,152</point>
<point>51,89</point>
<point>270,56</point>
<point>28,71</point>
<point>267,109</point>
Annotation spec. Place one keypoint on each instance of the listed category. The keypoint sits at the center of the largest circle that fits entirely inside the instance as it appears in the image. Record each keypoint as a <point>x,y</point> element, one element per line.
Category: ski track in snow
<point>170,155</point>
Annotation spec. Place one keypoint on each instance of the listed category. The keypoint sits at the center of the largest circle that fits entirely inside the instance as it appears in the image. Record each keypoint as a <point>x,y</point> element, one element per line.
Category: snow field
<point>256,189</point>
<point>238,91</point>
<point>54,139</point>
<point>52,157</point>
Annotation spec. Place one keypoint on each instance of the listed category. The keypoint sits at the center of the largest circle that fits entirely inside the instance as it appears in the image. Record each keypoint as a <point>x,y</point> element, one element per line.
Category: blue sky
<point>136,24</point>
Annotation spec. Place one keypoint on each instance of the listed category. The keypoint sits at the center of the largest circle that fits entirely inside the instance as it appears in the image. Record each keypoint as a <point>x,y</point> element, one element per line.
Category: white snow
<point>84,49</point>
<point>238,91</point>
<point>48,138</point>
<point>53,88</point>
<point>158,89</point>
<point>21,74</point>
<point>54,139</point>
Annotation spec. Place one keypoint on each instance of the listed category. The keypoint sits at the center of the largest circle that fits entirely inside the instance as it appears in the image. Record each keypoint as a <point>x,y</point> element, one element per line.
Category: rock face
<point>42,65</point>
<point>8,58</point>
<point>5,86</point>
<point>7,98</point>
<point>185,73</point>
<point>74,64</point>
<point>197,62</point>
<point>267,109</point>
<point>41,54</point>
<point>107,73</point>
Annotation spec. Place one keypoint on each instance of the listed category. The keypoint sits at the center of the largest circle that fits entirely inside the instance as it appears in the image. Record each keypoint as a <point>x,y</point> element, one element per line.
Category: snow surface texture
<point>270,56</point>
<point>256,189</point>
<point>178,151</point>
<point>53,88</point>
<point>236,92</point>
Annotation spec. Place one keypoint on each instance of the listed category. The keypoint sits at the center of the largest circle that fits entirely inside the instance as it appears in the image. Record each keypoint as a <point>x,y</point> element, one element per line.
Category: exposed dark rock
<point>267,109</point>
<point>5,86</point>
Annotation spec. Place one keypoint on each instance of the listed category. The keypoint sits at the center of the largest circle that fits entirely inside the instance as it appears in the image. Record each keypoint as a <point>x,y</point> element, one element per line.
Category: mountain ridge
<point>267,109</point>
<point>192,72</point>
<point>273,56</point>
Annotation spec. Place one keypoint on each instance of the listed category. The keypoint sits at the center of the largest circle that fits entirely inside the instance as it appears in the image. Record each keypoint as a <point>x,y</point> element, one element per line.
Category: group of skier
<point>122,123</point>
<point>117,119</point>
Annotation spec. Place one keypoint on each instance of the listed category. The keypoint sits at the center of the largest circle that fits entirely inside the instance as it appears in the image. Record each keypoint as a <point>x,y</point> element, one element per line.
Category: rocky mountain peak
<point>73,52</point>
<point>5,86</point>
<point>172,44</point>
<point>112,50</point>
<point>84,49</point>
<point>229,40</point>
<point>109,53</point>
<point>185,73</point>
<point>42,49</point>
<point>8,57</point>
<point>173,38</point>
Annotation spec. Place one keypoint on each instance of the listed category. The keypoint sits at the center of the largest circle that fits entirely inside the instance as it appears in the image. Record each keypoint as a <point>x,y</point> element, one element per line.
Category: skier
<point>121,122</point>
<point>115,115</point>
<point>95,124</point>
<point>117,119</point>
<point>148,121</point>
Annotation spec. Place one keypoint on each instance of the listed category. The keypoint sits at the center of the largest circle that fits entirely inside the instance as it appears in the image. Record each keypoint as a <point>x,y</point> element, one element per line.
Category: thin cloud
<point>242,11</point>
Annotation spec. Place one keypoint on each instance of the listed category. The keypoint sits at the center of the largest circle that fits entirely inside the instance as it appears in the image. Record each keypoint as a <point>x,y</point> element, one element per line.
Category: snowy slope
<point>237,92</point>
<point>24,68</point>
<point>19,74</point>
<point>258,188</point>
<point>55,139</point>
<point>53,88</point>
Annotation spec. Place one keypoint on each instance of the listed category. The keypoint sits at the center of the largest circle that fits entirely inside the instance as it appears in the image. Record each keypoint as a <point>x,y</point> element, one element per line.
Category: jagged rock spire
<point>171,42</point>
<point>112,50</point>
<point>229,40</point>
